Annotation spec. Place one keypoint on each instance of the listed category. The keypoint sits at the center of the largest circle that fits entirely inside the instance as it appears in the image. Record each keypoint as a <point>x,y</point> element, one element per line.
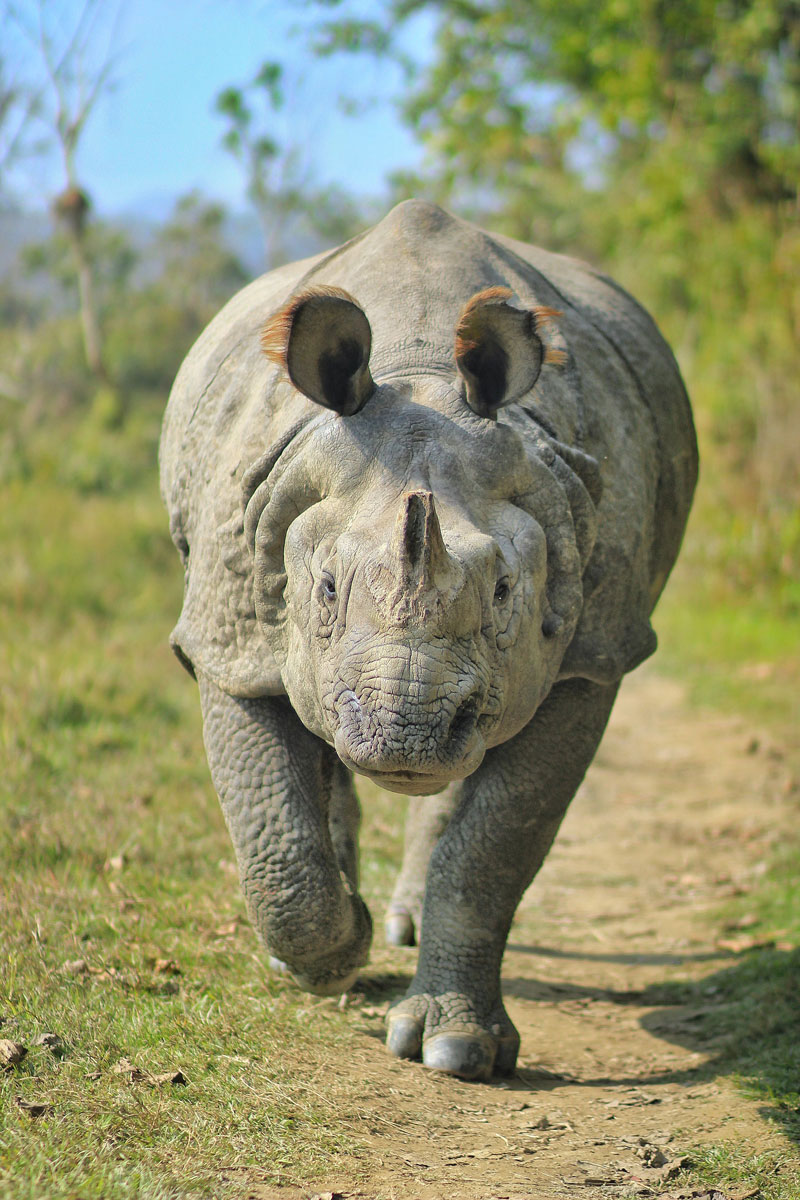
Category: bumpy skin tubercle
<point>274,781</point>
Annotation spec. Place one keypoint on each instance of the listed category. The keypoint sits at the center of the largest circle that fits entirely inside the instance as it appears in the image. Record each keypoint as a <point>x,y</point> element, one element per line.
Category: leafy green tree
<point>197,269</point>
<point>186,274</point>
<point>40,323</point>
<point>153,299</point>
<point>111,258</point>
<point>516,88</point>
<point>279,181</point>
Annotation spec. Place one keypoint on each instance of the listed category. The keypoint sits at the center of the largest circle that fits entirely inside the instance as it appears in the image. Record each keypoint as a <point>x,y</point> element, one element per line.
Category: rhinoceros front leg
<point>508,815</point>
<point>426,821</point>
<point>274,782</point>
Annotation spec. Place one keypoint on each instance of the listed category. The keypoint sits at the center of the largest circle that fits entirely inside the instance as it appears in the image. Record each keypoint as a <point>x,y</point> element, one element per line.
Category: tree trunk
<point>92,340</point>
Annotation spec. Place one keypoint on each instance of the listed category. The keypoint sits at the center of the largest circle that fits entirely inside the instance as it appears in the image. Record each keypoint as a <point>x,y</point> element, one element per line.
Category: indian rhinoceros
<point>427,488</point>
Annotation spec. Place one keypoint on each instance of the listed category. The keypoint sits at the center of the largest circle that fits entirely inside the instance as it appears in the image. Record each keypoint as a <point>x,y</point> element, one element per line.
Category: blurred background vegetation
<point>659,140</point>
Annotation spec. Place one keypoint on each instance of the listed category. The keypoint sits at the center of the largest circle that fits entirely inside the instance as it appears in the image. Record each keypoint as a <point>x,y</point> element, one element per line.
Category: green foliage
<point>659,141</point>
<point>279,179</point>
<point>195,274</point>
<point>154,300</point>
<point>111,257</point>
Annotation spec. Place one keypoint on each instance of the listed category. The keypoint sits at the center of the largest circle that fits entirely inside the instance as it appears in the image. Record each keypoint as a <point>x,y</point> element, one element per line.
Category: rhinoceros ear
<point>322,340</point>
<point>499,350</point>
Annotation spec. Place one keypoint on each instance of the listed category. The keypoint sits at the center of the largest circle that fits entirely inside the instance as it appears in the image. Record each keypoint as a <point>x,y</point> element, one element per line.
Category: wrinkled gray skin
<point>440,591</point>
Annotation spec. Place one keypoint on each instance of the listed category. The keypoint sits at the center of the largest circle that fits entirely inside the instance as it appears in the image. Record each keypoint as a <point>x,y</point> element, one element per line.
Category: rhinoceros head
<point>422,563</point>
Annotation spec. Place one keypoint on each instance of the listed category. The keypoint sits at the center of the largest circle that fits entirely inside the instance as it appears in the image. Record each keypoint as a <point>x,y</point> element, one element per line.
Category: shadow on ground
<point>745,1018</point>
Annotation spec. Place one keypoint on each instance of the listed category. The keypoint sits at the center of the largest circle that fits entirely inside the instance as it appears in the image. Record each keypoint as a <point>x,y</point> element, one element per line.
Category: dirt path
<point>677,813</point>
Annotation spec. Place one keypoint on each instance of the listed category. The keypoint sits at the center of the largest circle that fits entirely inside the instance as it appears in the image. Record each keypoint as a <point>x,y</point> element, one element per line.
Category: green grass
<point>113,853</point>
<point>730,631</point>
<point>736,646</point>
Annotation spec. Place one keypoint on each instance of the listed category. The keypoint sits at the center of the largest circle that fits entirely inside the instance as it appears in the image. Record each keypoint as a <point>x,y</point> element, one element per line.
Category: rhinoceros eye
<point>502,591</point>
<point>328,584</point>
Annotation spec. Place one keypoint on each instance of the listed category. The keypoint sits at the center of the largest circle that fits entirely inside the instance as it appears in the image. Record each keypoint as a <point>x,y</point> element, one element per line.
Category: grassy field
<point>123,933</point>
<point>736,647</point>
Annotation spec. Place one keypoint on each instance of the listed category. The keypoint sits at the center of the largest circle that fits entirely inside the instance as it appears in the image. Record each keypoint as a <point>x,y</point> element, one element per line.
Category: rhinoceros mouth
<point>410,751</point>
<point>411,783</point>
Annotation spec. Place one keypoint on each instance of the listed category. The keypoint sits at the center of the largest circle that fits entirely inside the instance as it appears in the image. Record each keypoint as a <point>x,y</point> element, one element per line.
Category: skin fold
<point>427,489</point>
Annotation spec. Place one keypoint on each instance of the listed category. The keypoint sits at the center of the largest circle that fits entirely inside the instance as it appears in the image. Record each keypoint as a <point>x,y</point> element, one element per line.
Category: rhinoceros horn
<point>424,573</point>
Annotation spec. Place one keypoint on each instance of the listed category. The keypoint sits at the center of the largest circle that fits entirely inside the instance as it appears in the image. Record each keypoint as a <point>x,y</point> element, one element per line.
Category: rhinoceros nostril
<point>462,724</point>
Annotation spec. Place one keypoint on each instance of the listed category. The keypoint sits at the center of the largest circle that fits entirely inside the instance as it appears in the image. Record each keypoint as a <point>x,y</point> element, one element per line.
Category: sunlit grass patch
<point>767,1176</point>
<point>123,927</point>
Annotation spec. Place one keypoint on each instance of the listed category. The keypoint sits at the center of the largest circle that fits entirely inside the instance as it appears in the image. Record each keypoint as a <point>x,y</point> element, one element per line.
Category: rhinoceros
<point>427,488</point>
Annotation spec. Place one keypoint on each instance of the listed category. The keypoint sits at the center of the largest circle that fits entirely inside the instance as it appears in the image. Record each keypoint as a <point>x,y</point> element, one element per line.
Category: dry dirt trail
<point>677,813</point>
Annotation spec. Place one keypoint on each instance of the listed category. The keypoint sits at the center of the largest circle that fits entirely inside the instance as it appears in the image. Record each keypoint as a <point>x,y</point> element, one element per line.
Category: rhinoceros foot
<point>401,925</point>
<point>333,972</point>
<point>318,987</point>
<point>446,1033</point>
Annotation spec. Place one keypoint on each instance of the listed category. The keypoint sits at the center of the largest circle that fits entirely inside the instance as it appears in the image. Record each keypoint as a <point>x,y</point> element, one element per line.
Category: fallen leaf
<point>674,1168</point>
<point>47,1039</point>
<point>114,864</point>
<point>137,1075</point>
<point>76,966</point>
<point>229,928</point>
<point>166,966</point>
<point>126,1067</point>
<point>53,1043</point>
<point>11,1053</point>
<point>175,1077</point>
<point>34,1108</point>
<point>652,1156</point>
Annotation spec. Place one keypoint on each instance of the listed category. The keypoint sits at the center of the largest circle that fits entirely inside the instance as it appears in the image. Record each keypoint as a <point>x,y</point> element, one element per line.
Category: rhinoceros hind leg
<point>344,821</point>
<point>426,821</point>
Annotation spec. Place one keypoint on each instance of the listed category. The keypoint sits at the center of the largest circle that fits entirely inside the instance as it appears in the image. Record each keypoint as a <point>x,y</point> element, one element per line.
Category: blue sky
<point>154,136</point>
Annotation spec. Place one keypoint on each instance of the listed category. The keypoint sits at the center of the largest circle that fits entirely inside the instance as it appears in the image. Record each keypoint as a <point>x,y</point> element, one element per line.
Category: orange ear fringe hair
<point>278,329</point>
<point>541,315</point>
